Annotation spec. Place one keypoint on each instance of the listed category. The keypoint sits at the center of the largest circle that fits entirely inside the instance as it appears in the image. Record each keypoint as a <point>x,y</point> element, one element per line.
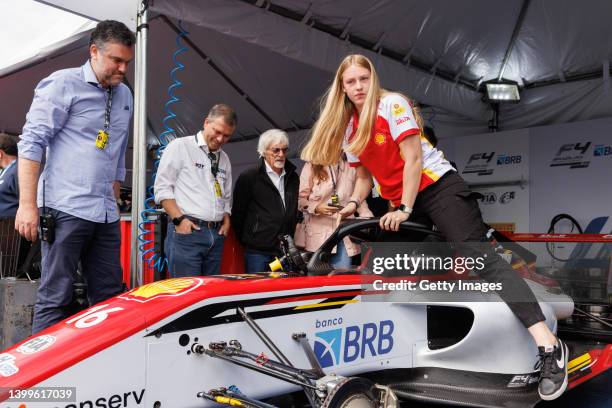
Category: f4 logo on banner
<point>481,156</point>
<point>478,163</point>
<point>572,156</point>
<point>571,147</point>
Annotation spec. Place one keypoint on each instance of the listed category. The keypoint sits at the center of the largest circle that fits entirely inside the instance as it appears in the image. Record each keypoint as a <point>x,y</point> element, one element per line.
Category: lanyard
<point>214,164</point>
<point>331,172</point>
<point>214,159</point>
<point>107,110</point>
<point>214,169</point>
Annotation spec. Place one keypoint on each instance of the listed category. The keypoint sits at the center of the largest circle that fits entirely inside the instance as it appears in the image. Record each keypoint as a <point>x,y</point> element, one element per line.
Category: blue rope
<point>147,246</point>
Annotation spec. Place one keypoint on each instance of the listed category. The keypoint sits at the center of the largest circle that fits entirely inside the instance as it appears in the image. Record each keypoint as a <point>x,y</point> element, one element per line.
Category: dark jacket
<point>258,214</point>
<point>9,192</point>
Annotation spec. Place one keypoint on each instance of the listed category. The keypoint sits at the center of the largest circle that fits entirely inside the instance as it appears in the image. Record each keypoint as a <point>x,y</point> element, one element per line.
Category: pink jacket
<point>313,192</point>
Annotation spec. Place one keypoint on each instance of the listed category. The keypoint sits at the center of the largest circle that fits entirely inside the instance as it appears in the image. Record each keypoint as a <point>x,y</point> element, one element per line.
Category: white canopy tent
<point>281,55</point>
<point>32,31</point>
<point>271,60</point>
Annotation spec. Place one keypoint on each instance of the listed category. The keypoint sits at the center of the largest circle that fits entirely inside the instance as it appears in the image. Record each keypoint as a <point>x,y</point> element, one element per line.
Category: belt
<point>203,223</point>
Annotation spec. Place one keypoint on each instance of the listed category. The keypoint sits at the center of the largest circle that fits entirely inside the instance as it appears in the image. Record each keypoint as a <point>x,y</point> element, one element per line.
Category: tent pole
<point>139,165</point>
<point>515,33</point>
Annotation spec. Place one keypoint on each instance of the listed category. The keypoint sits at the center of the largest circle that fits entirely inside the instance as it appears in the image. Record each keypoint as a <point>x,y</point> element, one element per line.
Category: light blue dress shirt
<point>66,114</point>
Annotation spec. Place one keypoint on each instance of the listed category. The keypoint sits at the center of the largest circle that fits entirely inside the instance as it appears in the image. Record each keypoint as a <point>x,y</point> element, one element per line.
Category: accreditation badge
<point>334,199</point>
<point>102,139</point>
<point>218,191</point>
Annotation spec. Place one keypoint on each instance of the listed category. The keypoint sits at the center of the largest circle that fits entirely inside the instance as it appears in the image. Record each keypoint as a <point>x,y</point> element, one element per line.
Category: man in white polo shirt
<point>194,185</point>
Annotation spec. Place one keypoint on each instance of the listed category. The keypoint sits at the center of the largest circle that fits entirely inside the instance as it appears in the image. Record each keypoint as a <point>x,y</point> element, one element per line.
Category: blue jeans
<point>256,262</point>
<point>97,246</point>
<point>198,253</point>
<point>340,259</point>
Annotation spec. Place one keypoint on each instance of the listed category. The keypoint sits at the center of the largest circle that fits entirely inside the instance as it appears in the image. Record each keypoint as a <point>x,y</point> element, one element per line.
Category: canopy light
<point>502,92</point>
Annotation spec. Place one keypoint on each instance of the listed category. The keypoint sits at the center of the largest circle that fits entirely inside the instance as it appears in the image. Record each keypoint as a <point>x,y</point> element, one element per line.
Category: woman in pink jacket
<point>324,190</point>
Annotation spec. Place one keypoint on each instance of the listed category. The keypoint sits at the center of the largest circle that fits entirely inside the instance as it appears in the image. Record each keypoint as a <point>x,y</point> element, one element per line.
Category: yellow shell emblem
<point>398,109</point>
<point>380,139</point>
<point>169,287</point>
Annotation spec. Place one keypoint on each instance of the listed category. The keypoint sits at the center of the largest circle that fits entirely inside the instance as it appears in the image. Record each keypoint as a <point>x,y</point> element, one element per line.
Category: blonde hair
<point>325,144</point>
<point>319,172</point>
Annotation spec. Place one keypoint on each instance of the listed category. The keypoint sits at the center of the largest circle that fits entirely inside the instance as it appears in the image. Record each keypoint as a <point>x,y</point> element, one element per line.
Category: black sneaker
<point>553,370</point>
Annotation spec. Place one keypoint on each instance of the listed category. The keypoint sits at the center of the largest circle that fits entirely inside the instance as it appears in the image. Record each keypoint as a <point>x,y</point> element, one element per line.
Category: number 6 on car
<point>92,317</point>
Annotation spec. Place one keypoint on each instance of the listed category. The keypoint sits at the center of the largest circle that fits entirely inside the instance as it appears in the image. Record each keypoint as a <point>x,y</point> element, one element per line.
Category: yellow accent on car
<point>229,401</point>
<point>276,265</point>
<point>342,302</point>
<point>579,362</point>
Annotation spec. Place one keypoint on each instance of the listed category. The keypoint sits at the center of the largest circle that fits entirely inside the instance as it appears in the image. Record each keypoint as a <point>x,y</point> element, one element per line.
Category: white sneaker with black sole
<point>553,370</point>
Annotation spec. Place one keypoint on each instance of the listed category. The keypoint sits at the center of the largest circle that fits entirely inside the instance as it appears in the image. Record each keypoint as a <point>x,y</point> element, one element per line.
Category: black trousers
<point>97,246</point>
<point>452,207</point>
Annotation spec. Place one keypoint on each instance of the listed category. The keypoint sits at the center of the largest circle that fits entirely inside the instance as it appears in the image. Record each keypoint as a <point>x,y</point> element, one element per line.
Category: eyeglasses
<point>277,150</point>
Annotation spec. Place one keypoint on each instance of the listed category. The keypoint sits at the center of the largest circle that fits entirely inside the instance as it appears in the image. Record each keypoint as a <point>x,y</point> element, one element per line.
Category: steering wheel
<point>319,261</point>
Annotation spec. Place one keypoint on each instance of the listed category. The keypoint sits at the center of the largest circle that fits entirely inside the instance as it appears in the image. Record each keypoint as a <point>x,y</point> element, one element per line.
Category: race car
<point>309,335</point>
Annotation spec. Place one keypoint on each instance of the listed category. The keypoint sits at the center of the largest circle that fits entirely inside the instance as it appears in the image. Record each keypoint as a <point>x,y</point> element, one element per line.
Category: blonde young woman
<point>324,190</point>
<point>380,131</point>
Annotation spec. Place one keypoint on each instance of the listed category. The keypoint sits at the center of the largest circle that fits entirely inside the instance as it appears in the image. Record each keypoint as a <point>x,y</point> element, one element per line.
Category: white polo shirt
<point>185,175</point>
<point>277,180</point>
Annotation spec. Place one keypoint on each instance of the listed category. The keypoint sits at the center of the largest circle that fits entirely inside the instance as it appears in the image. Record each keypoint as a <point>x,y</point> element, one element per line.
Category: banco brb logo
<point>348,344</point>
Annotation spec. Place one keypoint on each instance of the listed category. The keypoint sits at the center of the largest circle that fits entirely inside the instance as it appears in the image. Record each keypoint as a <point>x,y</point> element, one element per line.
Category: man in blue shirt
<point>81,117</point>
<point>9,193</point>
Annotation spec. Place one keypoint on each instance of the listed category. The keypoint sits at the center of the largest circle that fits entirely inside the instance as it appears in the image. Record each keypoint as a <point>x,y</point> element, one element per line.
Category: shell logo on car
<point>169,287</point>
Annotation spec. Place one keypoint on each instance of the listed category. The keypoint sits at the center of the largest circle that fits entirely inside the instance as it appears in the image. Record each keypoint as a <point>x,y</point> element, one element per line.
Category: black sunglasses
<point>277,150</point>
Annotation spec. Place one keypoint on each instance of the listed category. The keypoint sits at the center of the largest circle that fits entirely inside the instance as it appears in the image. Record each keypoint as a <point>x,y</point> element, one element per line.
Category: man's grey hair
<point>270,137</point>
<point>224,111</point>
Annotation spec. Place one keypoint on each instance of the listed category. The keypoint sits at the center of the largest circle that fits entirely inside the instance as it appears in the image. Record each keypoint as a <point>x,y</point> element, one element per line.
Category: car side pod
<point>322,391</point>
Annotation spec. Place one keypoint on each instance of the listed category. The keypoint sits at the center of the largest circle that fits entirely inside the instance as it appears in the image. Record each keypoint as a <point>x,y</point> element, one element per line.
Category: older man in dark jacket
<point>265,202</point>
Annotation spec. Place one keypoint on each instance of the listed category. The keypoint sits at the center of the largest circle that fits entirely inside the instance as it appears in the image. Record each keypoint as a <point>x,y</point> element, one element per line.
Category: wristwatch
<point>177,220</point>
<point>403,208</point>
